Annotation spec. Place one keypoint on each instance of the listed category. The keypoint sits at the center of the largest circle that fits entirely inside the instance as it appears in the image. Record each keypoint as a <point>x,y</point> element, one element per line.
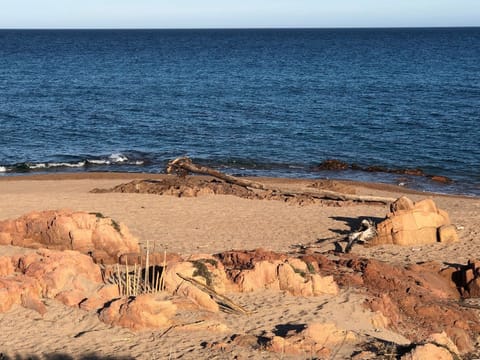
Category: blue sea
<point>274,102</point>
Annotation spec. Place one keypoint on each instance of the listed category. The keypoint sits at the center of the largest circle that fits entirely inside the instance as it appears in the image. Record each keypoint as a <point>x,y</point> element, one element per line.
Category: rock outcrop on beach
<point>410,223</point>
<point>261,270</point>
<point>142,312</point>
<point>101,237</point>
<point>415,301</point>
<point>66,276</point>
<point>195,186</point>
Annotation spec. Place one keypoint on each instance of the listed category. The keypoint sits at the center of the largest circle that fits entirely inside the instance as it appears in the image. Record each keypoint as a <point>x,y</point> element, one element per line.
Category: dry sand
<point>211,224</point>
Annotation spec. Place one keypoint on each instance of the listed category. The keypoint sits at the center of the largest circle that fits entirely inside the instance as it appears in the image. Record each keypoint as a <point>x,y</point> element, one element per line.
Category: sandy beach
<point>211,224</point>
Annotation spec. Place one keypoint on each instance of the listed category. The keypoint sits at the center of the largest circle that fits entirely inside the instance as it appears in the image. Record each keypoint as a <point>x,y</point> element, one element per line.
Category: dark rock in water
<point>332,164</point>
<point>440,179</point>
<point>376,169</point>
<point>414,172</point>
<point>336,165</point>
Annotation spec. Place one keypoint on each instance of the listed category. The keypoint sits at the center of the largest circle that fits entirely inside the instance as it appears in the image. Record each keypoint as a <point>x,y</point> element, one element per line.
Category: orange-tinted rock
<point>6,266</point>
<point>9,295</point>
<point>473,288</point>
<point>61,271</point>
<point>33,302</point>
<point>93,234</point>
<point>262,276</point>
<point>428,352</point>
<point>103,295</point>
<point>443,339</point>
<point>414,224</point>
<point>18,289</point>
<point>418,300</point>
<point>174,283</point>
<point>447,234</point>
<point>469,276</point>
<point>461,338</point>
<point>318,339</point>
<point>241,260</point>
<point>402,203</point>
<point>304,284</point>
<point>147,311</point>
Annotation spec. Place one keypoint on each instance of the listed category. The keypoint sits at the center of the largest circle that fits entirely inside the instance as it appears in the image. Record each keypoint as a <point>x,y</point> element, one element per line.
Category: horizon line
<point>246,28</point>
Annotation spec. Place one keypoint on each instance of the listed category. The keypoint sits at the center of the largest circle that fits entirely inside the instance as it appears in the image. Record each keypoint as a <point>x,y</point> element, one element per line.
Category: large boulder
<point>410,223</point>
<point>90,233</point>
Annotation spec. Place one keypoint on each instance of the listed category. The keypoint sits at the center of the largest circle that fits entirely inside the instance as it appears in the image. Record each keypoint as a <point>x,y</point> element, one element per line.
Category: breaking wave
<point>89,162</point>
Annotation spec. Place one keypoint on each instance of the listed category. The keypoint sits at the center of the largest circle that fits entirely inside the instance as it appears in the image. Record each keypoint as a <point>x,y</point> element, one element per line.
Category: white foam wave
<point>3,169</point>
<point>99,162</point>
<point>37,166</point>
<point>118,158</point>
<point>59,164</point>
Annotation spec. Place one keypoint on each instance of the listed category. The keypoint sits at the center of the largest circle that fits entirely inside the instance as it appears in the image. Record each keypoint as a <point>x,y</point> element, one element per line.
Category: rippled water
<point>256,102</point>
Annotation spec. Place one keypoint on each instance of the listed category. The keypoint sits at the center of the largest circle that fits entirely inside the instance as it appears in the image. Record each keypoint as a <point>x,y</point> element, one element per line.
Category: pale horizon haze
<point>46,14</point>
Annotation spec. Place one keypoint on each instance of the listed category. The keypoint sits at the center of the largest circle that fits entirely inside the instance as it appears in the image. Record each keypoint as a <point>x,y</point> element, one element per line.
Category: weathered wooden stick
<point>320,244</point>
<point>226,302</point>
<point>333,195</point>
<point>183,165</point>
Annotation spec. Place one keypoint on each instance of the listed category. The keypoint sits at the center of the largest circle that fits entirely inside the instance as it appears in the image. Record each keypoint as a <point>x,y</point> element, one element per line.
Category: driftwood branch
<point>180,165</point>
<point>224,302</point>
<point>184,165</point>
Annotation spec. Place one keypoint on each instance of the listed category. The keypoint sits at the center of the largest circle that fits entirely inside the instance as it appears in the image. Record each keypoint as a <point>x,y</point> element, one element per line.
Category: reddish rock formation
<point>246,259</point>
<point>419,300</point>
<point>260,269</point>
<point>411,223</point>
<point>90,233</point>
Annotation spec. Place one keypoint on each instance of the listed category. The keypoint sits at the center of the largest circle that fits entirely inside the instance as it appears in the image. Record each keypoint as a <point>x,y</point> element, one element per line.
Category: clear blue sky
<point>236,13</point>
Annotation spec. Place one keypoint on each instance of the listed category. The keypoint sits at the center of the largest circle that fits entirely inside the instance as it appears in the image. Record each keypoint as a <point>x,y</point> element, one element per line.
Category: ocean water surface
<point>250,102</point>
